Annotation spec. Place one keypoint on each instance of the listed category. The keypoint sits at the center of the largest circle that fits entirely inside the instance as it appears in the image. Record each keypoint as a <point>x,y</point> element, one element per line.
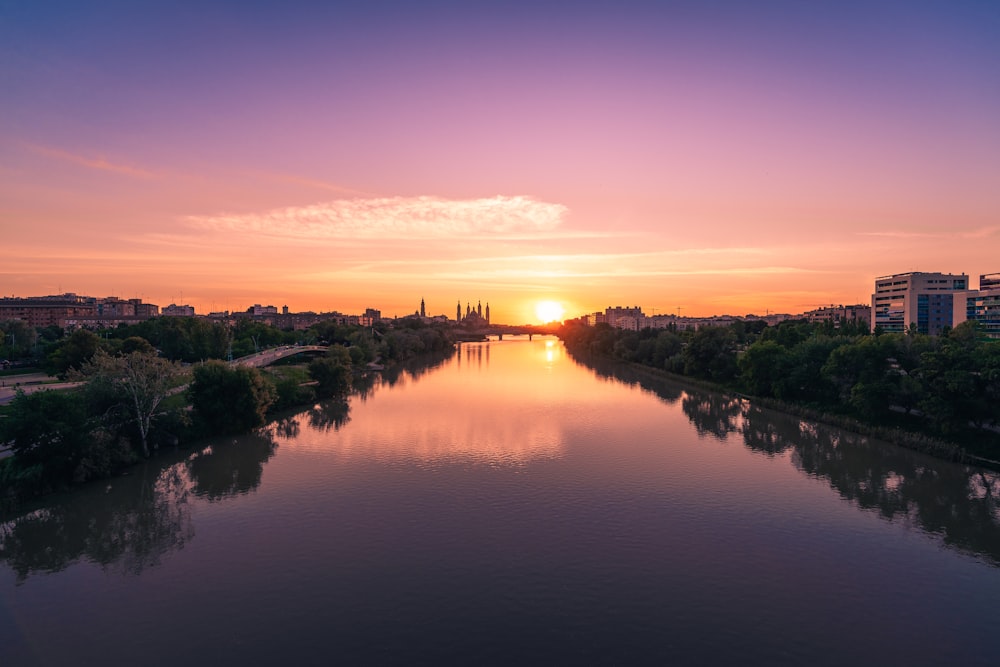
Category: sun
<point>549,311</point>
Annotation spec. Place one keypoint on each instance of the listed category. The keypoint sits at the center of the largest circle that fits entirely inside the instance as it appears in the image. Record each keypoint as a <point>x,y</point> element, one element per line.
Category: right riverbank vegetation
<point>936,394</point>
<point>167,381</point>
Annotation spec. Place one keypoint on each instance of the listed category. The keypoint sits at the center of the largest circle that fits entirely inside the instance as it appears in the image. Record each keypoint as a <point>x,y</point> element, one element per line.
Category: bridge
<point>501,330</point>
<point>271,355</point>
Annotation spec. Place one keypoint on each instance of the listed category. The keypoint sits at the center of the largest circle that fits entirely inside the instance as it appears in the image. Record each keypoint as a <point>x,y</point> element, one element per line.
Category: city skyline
<point>773,157</point>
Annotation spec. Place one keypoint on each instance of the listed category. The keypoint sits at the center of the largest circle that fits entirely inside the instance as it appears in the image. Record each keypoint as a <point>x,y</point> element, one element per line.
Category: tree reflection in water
<point>712,414</point>
<point>131,522</point>
<point>231,467</point>
<point>125,525</point>
<point>959,504</point>
<point>328,415</point>
<point>632,376</point>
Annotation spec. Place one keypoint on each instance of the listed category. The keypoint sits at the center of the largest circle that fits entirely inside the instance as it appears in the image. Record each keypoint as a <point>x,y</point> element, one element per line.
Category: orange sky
<point>726,162</point>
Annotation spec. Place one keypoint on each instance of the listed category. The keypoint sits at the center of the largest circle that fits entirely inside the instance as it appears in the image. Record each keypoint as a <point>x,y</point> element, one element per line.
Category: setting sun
<point>549,311</point>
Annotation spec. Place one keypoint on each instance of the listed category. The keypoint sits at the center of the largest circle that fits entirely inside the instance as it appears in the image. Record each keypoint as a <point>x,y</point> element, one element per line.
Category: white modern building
<point>982,305</point>
<point>924,300</point>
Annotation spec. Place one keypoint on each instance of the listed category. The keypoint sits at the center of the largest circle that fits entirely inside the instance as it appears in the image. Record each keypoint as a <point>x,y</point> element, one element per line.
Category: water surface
<point>511,505</point>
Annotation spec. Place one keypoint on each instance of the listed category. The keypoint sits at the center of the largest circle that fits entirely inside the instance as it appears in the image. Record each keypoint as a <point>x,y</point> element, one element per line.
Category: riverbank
<point>294,390</point>
<point>920,442</point>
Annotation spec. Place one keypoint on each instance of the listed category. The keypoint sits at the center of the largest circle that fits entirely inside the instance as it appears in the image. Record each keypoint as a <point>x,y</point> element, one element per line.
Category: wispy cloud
<point>979,233</point>
<point>396,218</point>
<point>312,183</point>
<point>97,162</point>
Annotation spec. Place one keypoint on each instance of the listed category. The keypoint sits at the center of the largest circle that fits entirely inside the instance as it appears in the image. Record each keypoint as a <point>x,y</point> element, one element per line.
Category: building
<point>612,315</point>
<point>178,311</point>
<point>925,301</point>
<point>113,307</point>
<point>837,314</point>
<point>144,310</point>
<point>982,305</point>
<point>46,311</point>
<point>474,317</point>
<point>70,311</point>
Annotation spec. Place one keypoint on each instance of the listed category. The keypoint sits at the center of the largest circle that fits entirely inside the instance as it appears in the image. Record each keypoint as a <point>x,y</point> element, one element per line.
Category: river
<point>511,505</point>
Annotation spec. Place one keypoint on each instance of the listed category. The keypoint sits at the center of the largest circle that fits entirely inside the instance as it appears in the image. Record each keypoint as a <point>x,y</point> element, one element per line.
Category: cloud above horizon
<point>421,217</point>
<point>977,233</point>
<point>99,162</point>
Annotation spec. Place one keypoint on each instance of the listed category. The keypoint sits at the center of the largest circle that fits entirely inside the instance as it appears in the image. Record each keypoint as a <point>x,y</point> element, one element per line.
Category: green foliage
<point>289,393</point>
<point>17,340</point>
<point>763,366</point>
<point>406,343</point>
<point>73,352</point>
<point>54,443</point>
<point>227,399</point>
<point>136,344</point>
<point>953,380</point>
<point>46,427</point>
<point>182,338</point>
<point>250,336</point>
<point>711,354</point>
<point>132,384</point>
<point>332,375</point>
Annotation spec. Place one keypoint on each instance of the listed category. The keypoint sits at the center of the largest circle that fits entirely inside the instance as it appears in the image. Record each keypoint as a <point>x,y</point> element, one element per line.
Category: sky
<point>697,157</point>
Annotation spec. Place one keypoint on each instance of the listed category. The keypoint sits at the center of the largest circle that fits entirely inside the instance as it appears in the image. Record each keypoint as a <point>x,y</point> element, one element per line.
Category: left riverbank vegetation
<point>939,394</point>
<point>168,381</point>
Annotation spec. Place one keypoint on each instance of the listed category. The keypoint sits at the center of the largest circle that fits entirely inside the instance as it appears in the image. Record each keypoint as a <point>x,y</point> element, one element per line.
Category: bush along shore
<point>134,399</point>
<point>936,395</point>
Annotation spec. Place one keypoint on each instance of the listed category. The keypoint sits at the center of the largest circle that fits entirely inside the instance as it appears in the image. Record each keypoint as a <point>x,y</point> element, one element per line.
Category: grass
<point>298,372</point>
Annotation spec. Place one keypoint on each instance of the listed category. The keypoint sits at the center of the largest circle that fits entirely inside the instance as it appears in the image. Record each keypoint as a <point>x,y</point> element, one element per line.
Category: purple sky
<point>720,157</point>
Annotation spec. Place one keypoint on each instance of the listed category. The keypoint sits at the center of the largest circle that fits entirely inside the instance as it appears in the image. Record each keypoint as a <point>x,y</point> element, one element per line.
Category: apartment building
<point>837,314</point>
<point>45,311</point>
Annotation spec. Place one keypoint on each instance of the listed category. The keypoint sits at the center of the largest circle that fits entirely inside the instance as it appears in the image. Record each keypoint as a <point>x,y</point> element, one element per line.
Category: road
<point>30,383</point>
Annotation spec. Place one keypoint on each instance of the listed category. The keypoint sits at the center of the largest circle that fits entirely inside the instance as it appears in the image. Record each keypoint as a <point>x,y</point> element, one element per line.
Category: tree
<point>17,339</point>
<point>803,379</point>
<point>46,429</point>
<point>74,351</point>
<point>136,344</point>
<point>332,372</point>
<point>140,380</point>
<point>711,354</point>
<point>763,366</point>
<point>229,399</point>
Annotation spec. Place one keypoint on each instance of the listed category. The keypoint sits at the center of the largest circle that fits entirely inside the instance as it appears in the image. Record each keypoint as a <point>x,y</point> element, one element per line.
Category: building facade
<point>612,315</point>
<point>71,310</point>
<point>982,305</point>
<point>837,314</point>
<point>173,310</point>
<point>925,301</point>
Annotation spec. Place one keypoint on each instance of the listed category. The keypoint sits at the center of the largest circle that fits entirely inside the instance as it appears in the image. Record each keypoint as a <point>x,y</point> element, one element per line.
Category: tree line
<point>948,385</point>
<point>139,391</point>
